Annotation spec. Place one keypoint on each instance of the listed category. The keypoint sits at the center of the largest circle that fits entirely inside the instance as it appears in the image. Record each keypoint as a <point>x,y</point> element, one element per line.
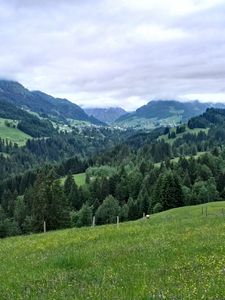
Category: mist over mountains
<point>40,105</point>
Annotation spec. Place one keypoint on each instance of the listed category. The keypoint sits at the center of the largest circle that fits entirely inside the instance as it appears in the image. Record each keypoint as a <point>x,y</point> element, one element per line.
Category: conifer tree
<point>143,201</point>
<point>68,184</point>
<point>133,212</point>
<point>168,191</point>
<point>74,197</point>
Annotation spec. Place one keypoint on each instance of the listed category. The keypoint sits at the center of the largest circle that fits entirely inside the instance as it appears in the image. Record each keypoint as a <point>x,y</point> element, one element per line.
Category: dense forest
<point>128,174</point>
<point>61,146</point>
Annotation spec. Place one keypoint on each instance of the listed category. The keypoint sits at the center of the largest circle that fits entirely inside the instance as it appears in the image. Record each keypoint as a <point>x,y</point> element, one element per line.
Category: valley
<point>112,150</point>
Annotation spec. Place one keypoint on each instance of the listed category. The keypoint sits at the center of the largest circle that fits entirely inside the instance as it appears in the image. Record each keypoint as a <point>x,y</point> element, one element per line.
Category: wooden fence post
<point>143,215</point>
<point>118,221</point>
<point>202,210</point>
<point>223,212</point>
<point>206,211</point>
<point>93,222</point>
<point>44,227</point>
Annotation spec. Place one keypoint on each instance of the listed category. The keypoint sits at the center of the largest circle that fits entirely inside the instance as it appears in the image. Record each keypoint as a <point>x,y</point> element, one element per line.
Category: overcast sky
<point>115,52</point>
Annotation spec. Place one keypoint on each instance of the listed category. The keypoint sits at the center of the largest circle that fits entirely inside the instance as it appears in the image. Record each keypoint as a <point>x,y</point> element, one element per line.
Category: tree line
<point>127,191</point>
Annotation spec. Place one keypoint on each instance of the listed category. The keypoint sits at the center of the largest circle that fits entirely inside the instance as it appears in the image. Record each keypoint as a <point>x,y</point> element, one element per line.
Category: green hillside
<point>195,131</point>
<point>177,254</point>
<point>13,134</point>
<point>44,105</point>
<point>164,113</point>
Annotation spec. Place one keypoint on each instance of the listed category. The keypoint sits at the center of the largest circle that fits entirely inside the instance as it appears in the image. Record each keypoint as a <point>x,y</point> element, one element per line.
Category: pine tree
<point>168,191</point>
<point>104,188</point>
<point>74,197</point>
<point>3,229</point>
<point>8,202</point>
<point>143,201</point>
<point>49,203</point>
<point>133,211</point>
<point>41,198</point>
<point>68,184</point>
<point>20,212</point>
<point>59,216</point>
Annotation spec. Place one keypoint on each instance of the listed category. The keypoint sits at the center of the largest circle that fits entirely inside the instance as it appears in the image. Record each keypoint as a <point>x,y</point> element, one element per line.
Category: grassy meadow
<point>79,179</point>
<point>177,254</point>
<point>179,135</point>
<point>13,134</point>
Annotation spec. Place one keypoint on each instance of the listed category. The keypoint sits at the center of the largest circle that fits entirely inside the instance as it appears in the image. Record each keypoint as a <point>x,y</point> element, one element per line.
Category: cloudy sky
<point>115,52</point>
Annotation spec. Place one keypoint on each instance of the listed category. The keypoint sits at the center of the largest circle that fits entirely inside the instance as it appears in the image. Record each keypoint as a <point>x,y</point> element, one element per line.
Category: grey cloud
<point>112,51</point>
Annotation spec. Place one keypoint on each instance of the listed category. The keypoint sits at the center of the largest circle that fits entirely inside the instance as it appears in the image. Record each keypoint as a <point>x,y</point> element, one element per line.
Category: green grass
<point>13,134</point>
<point>178,254</point>
<point>79,179</point>
<point>176,159</point>
<point>179,135</point>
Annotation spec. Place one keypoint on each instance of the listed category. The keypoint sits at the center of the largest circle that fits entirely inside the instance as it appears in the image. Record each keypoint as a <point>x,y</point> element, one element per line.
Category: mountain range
<point>164,113</point>
<point>106,115</point>
<point>35,111</point>
<point>42,104</point>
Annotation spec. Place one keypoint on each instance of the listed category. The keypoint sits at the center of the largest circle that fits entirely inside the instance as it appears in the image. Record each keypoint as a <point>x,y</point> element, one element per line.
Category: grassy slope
<point>79,179</point>
<point>178,254</point>
<point>188,130</point>
<point>176,159</point>
<point>13,134</point>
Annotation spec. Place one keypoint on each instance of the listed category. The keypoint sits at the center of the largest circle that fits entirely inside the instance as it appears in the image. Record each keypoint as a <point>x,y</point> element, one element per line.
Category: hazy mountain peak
<point>106,115</point>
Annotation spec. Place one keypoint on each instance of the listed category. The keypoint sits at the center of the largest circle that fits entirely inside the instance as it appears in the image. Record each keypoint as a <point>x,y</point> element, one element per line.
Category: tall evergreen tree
<point>168,191</point>
<point>143,201</point>
<point>74,197</point>
<point>68,184</point>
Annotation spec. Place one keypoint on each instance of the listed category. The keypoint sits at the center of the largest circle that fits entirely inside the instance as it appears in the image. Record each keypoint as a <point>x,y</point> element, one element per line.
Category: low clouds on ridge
<point>101,53</point>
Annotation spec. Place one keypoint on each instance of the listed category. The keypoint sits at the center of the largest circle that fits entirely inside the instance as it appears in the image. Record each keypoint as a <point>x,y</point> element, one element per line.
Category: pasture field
<point>177,254</point>
<point>12,134</point>
<point>79,179</point>
<point>180,135</point>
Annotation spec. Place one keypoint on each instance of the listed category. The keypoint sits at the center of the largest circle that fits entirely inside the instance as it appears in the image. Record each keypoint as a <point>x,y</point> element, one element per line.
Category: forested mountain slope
<point>164,113</point>
<point>26,122</point>
<point>41,103</point>
<point>212,117</point>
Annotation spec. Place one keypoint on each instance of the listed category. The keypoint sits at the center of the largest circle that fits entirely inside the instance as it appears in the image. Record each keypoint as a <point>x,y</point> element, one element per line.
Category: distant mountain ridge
<point>106,115</point>
<point>43,104</point>
<point>164,113</point>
